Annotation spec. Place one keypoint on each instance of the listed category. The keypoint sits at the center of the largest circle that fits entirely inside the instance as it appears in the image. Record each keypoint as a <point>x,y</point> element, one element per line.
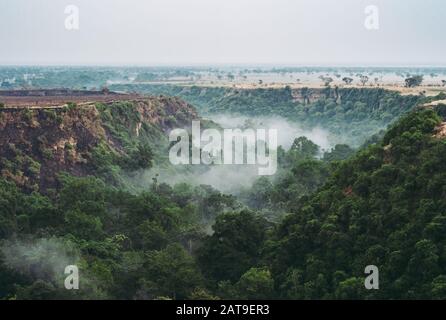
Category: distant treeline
<point>351,114</point>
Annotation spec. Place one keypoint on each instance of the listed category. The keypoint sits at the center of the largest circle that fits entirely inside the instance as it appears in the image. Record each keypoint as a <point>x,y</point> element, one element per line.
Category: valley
<point>86,177</point>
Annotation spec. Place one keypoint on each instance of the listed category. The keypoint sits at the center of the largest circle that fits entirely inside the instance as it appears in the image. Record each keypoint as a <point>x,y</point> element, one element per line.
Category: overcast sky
<point>197,32</point>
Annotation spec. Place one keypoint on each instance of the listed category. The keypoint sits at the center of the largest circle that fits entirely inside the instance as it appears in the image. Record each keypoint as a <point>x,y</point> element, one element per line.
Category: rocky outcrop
<point>37,144</point>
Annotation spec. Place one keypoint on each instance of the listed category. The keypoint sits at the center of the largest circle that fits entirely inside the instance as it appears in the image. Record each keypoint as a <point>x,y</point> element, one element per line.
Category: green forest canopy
<point>385,205</point>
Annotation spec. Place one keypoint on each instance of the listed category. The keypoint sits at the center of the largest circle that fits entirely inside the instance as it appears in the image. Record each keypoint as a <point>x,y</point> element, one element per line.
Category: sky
<point>223,32</point>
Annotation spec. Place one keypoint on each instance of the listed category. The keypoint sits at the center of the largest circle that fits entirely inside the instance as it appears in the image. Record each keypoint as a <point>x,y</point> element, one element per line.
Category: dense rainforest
<point>306,234</point>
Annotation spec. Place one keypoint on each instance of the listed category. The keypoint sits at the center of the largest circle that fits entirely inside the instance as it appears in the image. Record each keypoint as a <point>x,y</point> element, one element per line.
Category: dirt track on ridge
<point>39,99</point>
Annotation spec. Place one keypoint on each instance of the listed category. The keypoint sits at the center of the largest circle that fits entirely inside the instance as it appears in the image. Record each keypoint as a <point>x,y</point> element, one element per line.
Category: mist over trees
<point>347,210</point>
<point>377,197</point>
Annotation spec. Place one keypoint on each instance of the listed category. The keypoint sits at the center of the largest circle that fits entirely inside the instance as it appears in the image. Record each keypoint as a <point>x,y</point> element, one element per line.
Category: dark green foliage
<point>300,174</point>
<point>414,81</point>
<point>128,246</point>
<point>385,207</point>
<point>234,247</point>
<point>339,152</point>
<point>141,158</point>
<point>172,271</point>
<point>305,147</point>
<point>256,283</point>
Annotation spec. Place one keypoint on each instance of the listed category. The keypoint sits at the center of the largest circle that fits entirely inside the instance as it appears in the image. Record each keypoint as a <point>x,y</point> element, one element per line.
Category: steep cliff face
<point>37,144</point>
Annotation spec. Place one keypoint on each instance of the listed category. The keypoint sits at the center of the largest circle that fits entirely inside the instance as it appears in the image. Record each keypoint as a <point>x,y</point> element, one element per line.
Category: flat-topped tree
<point>414,81</point>
<point>347,80</point>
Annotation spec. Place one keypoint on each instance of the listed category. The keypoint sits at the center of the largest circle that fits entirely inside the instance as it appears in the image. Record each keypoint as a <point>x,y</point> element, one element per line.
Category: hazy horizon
<point>227,65</point>
<point>223,33</point>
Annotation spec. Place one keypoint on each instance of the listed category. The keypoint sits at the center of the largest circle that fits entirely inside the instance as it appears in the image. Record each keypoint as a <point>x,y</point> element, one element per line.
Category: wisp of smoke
<point>233,178</point>
<point>287,131</point>
<point>44,259</point>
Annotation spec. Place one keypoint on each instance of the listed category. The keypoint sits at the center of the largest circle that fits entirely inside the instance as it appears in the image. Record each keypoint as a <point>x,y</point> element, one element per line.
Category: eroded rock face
<point>37,144</point>
<point>440,131</point>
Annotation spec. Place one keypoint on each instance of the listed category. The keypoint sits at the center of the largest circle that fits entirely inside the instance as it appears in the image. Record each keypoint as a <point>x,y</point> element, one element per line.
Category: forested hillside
<point>101,139</point>
<point>350,114</point>
<point>383,205</point>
